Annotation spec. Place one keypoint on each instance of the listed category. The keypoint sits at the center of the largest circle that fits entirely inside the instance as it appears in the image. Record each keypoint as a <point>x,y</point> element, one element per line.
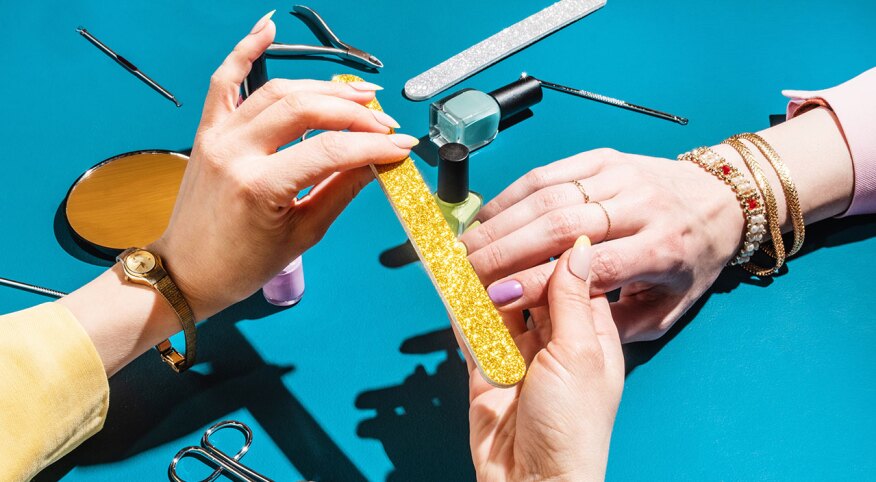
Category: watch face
<point>140,262</point>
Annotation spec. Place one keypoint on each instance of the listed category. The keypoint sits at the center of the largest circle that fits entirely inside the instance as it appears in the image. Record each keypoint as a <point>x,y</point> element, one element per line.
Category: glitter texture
<point>444,258</point>
<point>493,49</point>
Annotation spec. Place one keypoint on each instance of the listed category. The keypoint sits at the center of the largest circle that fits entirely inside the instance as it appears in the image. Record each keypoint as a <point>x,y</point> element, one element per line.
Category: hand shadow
<point>825,234</point>
<point>423,421</point>
<point>151,406</point>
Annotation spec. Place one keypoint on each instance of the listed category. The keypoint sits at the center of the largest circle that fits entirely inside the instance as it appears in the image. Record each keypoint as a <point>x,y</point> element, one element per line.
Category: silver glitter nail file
<point>495,48</point>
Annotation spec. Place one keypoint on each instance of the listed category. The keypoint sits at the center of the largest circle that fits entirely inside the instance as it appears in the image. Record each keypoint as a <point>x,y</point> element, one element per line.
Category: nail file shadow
<point>151,406</point>
<point>423,421</point>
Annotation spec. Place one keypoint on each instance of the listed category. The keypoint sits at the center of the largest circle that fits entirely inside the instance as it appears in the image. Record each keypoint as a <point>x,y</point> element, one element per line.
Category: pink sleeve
<point>854,103</point>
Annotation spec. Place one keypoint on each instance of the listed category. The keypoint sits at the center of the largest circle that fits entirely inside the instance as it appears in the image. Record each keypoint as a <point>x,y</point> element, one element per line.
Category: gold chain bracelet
<point>770,205</point>
<point>795,212</point>
<point>749,199</point>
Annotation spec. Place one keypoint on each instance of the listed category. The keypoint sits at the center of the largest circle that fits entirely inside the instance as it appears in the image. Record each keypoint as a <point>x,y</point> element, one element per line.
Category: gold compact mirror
<point>125,200</point>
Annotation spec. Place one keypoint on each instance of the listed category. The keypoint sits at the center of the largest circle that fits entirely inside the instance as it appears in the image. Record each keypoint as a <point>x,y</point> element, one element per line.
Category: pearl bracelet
<point>749,198</point>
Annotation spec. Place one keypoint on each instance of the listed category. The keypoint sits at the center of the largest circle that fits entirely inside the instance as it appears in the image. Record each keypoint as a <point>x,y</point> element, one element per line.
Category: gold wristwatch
<point>145,268</point>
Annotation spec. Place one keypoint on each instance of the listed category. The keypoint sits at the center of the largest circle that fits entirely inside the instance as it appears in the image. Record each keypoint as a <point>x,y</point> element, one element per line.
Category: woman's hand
<point>673,229</point>
<point>237,221</point>
<point>557,424</point>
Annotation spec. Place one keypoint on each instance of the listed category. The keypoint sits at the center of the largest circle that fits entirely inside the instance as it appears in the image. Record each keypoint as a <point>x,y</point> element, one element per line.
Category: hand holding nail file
<point>471,311</point>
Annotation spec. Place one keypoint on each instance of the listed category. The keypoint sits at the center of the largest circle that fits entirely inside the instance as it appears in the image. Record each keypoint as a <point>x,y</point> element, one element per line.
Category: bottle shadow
<point>423,421</point>
<point>151,406</point>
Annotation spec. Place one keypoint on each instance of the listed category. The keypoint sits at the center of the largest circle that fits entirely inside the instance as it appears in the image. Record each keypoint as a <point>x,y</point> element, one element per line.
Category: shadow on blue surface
<point>826,234</point>
<point>175,406</point>
<point>423,421</point>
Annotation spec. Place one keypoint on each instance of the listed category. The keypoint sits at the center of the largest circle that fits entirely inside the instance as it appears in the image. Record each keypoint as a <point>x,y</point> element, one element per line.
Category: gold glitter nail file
<point>444,258</point>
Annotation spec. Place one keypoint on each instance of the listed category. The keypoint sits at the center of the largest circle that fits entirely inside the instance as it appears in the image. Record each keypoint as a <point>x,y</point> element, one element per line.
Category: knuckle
<point>549,199</point>
<point>273,88</point>
<point>495,258</point>
<point>332,145</point>
<point>536,178</point>
<point>217,79</point>
<point>294,104</point>
<point>540,277</point>
<point>487,232</point>
<point>606,153</point>
<point>606,266</point>
<point>563,225</point>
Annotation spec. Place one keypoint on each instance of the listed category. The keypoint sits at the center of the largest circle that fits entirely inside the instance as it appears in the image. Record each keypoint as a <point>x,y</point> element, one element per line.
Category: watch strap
<point>180,363</point>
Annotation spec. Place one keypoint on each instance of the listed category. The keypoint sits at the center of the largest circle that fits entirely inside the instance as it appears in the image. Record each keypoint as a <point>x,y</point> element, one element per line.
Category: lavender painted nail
<point>505,292</point>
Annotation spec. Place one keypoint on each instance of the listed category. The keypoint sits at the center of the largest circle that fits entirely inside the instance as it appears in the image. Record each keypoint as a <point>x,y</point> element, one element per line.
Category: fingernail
<point>385,119</point>
<point>579,260</point>
<point>262,23</point>
<point>365,86</point>
<point>472,226</point>
<point>403,141</point>
<point>505,292</point>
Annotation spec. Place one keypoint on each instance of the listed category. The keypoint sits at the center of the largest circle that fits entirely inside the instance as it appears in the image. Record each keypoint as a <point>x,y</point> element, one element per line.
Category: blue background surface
<point>361,380</point>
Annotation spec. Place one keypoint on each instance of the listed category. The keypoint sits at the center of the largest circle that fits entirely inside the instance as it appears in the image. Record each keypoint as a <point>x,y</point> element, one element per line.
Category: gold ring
<point>607,218</point>
<point>583,191</point>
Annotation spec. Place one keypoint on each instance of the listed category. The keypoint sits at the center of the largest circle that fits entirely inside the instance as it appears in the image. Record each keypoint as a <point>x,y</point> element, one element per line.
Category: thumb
<point>569,297</point>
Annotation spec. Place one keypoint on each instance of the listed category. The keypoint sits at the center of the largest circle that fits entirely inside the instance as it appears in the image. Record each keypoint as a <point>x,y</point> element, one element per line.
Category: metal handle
<point>211,455</point>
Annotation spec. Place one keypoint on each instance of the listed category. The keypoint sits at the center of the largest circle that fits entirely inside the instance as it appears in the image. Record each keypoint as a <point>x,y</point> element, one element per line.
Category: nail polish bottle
<point>472,117</point>
<point>457,203</point>
<point>287,288</point>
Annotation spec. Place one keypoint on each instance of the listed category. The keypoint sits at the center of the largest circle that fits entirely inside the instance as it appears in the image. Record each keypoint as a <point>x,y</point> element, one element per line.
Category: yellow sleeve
<point>53,389</point>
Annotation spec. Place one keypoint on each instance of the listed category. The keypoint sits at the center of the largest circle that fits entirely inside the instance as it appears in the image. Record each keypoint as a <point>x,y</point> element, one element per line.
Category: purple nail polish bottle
<point>287,288</point>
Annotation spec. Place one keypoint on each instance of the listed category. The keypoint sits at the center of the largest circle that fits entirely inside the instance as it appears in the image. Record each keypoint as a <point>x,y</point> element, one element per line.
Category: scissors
<point>331,43</point>
<point>211,455</point>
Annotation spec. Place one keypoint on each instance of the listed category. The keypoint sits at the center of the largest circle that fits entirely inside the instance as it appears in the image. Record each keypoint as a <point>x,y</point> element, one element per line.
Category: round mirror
<point>126,200</point>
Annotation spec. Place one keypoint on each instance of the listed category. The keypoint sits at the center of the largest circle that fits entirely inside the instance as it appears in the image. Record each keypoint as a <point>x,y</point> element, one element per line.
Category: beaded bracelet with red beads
<point>749,198</point>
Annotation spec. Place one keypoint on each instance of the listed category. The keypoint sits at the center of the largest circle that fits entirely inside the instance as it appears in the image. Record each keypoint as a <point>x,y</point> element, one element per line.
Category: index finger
<point>577,167</point>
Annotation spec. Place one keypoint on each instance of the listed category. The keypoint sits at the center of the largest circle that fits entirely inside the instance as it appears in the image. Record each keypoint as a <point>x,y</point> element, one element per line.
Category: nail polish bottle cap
<point>518,96</point>
<point>453,173</point>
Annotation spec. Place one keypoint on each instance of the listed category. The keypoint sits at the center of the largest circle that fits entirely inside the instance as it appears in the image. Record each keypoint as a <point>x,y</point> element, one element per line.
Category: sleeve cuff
<point>54,392</point>
<point>854,103</point>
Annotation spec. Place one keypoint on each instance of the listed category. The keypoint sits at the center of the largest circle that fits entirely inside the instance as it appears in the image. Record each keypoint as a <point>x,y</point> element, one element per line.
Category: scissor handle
<point>211,455</point>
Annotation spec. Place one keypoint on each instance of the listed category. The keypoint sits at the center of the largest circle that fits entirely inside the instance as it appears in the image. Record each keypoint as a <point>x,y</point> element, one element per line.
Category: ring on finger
<point>306,133</point>
<point>581,189</point>
<point>607,219</point>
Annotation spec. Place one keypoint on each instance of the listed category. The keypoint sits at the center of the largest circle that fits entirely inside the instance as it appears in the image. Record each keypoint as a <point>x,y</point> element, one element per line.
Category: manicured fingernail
<point>385,119</point>
<point>579,260</point>
<point>262,23</point>
<point>403,141</point>
<point>505,292</point>
<point>365,86</point>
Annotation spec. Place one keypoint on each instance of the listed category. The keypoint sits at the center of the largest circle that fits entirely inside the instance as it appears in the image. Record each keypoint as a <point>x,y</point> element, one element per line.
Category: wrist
<point>719,213</point>
<point>177,267</point>
<point>122,319</point>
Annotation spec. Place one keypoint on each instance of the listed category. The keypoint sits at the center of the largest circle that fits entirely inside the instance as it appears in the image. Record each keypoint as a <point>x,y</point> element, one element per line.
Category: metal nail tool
<point>610,101</point>
<point>332,45</point>
<point>32,288</point>
<point>127,65</point>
